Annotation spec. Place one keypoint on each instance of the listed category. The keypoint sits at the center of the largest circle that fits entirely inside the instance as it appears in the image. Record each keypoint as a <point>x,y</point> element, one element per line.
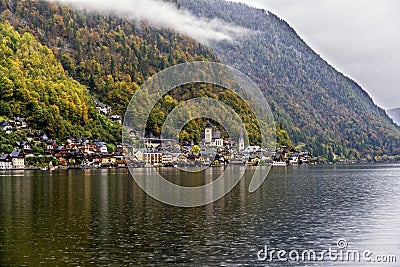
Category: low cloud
<point>161,14</point>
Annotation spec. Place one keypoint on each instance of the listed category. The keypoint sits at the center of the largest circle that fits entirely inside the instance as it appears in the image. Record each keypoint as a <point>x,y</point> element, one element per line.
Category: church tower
<point>208,133</point>
<point>241,140</point>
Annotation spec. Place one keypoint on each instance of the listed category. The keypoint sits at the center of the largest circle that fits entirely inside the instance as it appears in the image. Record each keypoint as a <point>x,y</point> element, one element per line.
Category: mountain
<point>320,108</point>
<point>394,114</point>
<point>34,85</point>
<point>110,55</point>
<point>318,105</point>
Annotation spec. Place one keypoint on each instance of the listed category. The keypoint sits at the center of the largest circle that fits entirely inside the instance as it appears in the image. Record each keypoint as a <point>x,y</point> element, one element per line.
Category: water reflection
<point>101,217</point>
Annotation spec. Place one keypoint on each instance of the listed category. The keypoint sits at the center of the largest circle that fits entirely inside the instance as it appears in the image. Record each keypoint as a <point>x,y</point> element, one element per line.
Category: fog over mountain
<point>163,14</point>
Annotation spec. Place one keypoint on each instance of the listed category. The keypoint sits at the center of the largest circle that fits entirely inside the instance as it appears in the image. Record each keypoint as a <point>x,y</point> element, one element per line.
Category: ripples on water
<point>102,218</point>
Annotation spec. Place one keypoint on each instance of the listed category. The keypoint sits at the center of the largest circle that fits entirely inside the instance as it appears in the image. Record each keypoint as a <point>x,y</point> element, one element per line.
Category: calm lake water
<point>101,217</point>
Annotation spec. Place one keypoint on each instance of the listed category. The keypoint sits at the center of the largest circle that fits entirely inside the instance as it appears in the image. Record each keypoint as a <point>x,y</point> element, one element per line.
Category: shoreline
<point>161,167</point>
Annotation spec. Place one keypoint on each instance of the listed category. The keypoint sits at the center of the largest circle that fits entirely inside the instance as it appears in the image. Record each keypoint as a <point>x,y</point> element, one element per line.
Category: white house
<point>5,161</point>
<point>181,158</point>
<point>138,155</point>
<point>51,144</point>
<point>103,149</point>
<point>219,142</point>
<point>20,123</point>
<point>167,159</point>
<point>18,159</point>
<point>103,109</point>
<point>152,157</point>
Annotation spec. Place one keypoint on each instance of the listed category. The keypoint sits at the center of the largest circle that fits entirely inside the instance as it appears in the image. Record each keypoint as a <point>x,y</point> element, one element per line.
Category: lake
<point>101,217</point>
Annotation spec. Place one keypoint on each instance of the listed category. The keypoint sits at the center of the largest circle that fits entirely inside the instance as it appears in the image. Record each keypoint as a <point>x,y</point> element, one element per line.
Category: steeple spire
<point>241,139</point>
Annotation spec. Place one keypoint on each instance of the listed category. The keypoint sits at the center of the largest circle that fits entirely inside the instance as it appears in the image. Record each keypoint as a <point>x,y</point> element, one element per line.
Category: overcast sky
<point>360,38</point>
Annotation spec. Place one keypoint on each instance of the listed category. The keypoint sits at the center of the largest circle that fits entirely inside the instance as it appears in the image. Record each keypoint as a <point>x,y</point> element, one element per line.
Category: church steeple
<point>208,133</point>
<point>241,140</point>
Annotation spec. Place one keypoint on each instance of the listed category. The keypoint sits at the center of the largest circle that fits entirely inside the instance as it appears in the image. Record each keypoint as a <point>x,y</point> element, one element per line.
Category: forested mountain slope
<point>34,85</point>
<point>110,55</point>
<point>318,105</point>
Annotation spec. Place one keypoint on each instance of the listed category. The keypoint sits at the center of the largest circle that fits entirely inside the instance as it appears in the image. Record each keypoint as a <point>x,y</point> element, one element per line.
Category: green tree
<point>195,150</point>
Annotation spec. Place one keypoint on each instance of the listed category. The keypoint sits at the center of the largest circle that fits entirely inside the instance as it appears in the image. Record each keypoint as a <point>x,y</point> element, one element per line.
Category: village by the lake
<point>38,151</point>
